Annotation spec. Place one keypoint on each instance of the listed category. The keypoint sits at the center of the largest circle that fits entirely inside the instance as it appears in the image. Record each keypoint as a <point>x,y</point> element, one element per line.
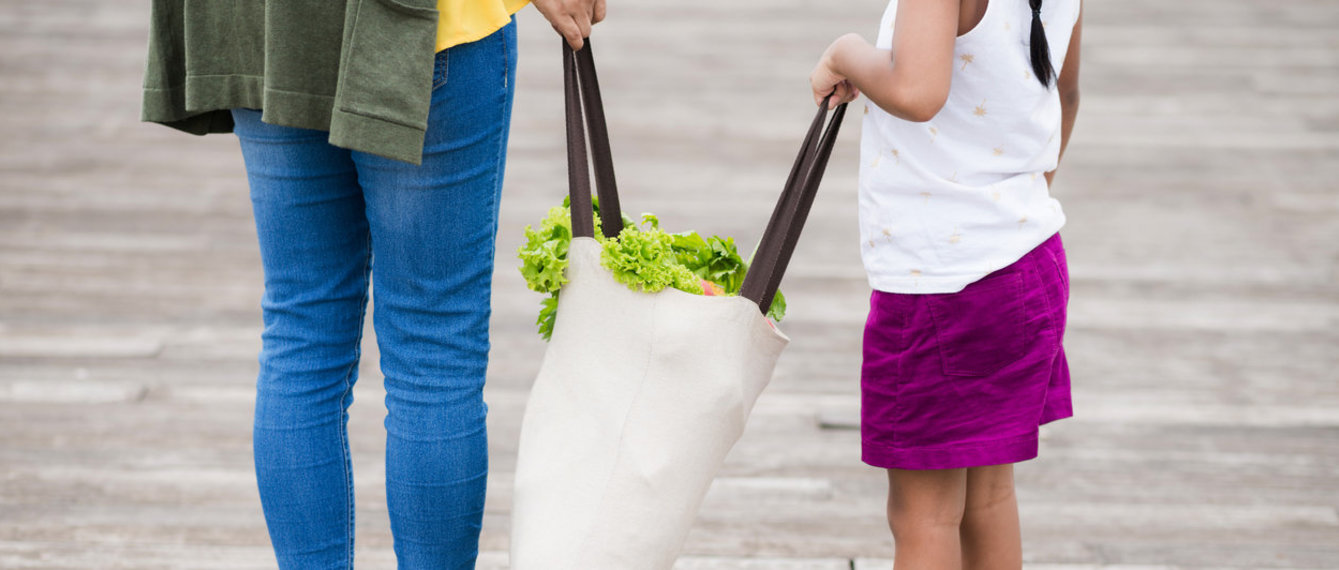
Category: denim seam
<point>506,54</point>
<point>444,483</point>
<point>501,143</point>
<point>348,389</point>
<point>445,65</point>
<point>498,177</point>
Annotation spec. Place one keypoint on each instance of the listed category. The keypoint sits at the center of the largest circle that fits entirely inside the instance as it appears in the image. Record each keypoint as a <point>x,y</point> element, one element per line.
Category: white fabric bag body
<point>640,396</point>
<point>638,400</point>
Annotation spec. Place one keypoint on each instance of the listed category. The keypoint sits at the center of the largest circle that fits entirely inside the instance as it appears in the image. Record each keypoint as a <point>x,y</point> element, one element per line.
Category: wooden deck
<point>1203,238</point>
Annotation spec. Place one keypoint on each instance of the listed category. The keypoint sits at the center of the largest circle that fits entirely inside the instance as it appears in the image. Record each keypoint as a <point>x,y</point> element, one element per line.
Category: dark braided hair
<point>1041,52</point>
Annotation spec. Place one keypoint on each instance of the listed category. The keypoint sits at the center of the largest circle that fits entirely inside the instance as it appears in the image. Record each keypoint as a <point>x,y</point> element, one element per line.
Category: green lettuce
<point>544,261</point>
<point>645,258</point>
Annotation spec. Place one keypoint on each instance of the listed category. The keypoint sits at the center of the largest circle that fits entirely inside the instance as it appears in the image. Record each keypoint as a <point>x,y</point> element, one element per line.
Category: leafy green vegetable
<point>544,255</point>
<point>644,258</point>
<point>645,261</point>
<point>715,259</point>
<point>544,260</point>
<point>548,314</point>
<point>778,309</point>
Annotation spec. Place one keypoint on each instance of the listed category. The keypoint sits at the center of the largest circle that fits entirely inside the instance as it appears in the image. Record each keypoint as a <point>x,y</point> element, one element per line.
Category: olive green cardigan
<point>360,69</point>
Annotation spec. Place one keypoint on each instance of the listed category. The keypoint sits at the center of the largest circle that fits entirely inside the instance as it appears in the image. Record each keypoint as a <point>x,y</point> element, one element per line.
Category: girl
<point>374,136</point>
<point>962,353</point>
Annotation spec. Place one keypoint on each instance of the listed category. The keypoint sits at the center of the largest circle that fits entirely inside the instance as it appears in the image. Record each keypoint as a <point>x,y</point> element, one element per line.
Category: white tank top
<point>946,202</point>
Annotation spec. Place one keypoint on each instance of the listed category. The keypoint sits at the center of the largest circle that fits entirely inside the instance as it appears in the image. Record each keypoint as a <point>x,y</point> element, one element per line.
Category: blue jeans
<point>329,222</point>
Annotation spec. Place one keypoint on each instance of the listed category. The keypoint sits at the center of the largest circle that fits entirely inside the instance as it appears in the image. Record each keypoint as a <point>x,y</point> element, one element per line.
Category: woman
<point>374,139</point>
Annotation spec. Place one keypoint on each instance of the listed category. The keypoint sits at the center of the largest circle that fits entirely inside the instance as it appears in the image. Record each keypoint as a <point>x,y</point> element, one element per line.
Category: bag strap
<point>582,88</point>
<point>585,113</point>
<point>784,211</point>
<point>792,210</point>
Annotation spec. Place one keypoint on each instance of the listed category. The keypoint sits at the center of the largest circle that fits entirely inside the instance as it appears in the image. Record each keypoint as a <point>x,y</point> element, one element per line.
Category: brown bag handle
<point>792,210</point>
<point>581,87</point>
<point>585,112</point>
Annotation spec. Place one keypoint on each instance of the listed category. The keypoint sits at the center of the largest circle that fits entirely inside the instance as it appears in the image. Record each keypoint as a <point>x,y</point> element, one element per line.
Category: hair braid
<point>1041,52</point>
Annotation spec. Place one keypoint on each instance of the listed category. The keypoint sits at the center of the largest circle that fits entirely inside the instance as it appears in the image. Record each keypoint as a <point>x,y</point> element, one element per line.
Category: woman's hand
<point>572,18</point>
<point>827,80</point>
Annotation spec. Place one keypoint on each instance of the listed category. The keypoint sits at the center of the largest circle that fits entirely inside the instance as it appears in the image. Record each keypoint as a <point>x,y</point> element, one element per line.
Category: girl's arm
<point>1068,84</point>
<point>911,81</point>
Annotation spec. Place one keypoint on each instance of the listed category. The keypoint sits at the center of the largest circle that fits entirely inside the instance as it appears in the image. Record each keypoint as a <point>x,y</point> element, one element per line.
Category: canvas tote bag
<point>640,395</point>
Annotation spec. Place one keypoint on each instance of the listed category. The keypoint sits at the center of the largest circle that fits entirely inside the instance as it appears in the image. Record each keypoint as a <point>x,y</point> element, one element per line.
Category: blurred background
<point>1203,237</point>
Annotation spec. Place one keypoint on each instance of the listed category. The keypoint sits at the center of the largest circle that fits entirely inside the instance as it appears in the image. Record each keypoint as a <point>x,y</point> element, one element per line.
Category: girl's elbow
<point>1070,96</point>
<point>911,102</point>
<point>919,101</point>
<point>922,106</point>
<point>924,110</point>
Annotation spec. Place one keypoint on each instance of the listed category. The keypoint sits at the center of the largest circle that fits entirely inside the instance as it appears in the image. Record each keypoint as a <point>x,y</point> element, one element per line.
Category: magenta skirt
<point>964,379</point>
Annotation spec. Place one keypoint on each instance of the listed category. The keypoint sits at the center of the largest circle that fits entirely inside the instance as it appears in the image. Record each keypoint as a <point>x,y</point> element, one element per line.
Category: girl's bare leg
<point>990,534</point>
<point>925,512</point>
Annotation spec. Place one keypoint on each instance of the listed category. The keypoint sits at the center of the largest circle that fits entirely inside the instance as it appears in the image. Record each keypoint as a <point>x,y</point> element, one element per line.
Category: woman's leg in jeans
<point>314,245</point>
<point>433,230</point>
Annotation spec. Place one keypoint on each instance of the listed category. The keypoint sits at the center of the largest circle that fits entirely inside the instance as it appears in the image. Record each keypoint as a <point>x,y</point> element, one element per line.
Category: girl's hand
<point>827,80</point>
<point>572,18</point>
<point>914,85</point>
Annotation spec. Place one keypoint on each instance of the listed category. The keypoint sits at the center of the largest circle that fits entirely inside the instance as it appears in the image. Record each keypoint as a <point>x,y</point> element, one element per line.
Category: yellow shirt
<point>464,21</point>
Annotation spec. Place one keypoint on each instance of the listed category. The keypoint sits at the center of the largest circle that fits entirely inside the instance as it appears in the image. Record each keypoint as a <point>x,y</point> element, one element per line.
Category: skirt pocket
<point>981,328</point>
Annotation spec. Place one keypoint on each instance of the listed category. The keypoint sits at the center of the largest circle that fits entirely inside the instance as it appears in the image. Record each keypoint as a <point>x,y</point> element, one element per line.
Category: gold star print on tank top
<point>947,201</point>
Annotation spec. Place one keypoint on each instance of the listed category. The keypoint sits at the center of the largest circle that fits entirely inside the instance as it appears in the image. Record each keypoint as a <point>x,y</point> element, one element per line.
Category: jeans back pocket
<point>980,328</point>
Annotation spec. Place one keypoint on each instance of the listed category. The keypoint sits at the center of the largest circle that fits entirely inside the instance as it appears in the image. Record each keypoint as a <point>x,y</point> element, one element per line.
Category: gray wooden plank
<point>1202,239</point>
